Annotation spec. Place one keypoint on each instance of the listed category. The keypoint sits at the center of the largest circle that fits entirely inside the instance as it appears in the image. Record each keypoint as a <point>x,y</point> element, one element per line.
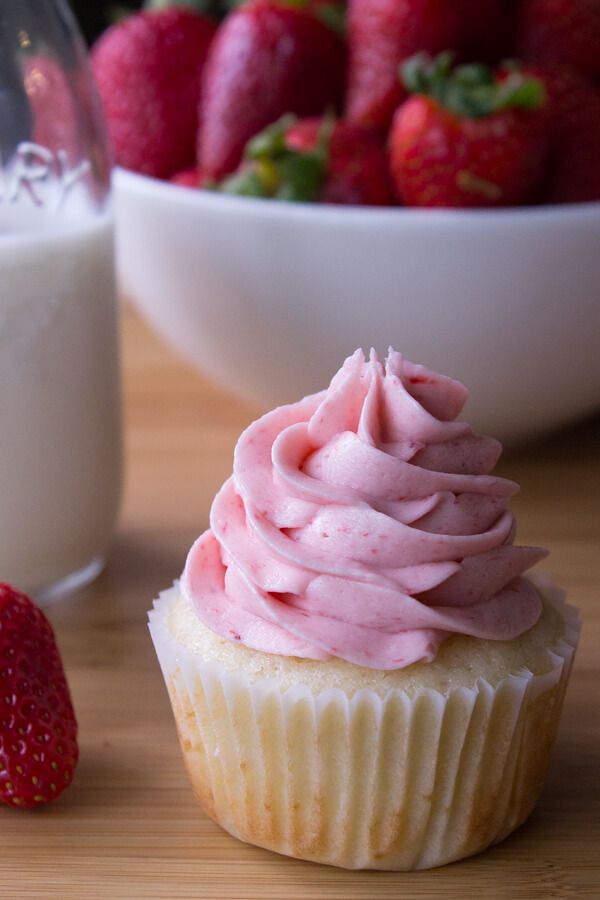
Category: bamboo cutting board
<point>129,827</point>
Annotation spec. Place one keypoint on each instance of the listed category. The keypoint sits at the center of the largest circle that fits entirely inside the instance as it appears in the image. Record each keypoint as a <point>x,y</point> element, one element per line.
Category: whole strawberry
<point>38,729</point>
<point>317,160</point>
<point>357,168</point>
<point>573,113</point>
<point>148,68</point>
<point>467,139</point>
<point>267,59</point>
<point>384,33</point>
<point>565,32</point>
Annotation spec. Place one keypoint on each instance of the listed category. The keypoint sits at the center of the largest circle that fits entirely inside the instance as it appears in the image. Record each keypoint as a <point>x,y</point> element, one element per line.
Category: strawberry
<point>574,123</point>
<point>267,59</point>
<point>467,139</point>
<point>357,170</point>
<point>383,33</point>
<point>148,68</point>
<point>314,160</point>
<point>38,729</point>
<point>191,177</point>
<point>565,32</point>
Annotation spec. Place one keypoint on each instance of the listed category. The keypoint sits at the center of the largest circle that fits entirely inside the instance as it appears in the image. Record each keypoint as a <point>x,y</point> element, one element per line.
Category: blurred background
<point>95,15</point>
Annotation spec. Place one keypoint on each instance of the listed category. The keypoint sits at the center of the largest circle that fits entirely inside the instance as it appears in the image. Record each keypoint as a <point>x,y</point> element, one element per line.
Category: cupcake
<point>360,672</point>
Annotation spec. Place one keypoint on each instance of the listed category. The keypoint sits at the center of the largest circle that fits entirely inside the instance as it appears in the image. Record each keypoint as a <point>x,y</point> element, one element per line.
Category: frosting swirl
<point>362,522</point>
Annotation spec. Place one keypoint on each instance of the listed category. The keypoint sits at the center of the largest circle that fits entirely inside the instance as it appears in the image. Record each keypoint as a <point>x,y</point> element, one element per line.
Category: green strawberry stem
<point>272,169</point>
<point>270,143</point>
<point>470,90</point>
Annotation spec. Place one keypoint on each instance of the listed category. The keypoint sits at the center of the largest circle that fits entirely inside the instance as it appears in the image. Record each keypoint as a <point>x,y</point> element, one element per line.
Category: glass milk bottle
<point>60,427</point>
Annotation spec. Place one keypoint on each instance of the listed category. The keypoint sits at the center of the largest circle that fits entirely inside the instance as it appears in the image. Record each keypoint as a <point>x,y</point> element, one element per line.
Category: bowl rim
<point>376,215</point>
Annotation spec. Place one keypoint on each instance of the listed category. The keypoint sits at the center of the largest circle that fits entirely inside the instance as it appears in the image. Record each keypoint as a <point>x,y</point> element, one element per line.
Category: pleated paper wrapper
<point>396,782</point>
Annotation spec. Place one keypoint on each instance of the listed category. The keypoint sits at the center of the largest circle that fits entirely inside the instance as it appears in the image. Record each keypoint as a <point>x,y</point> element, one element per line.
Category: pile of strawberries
<point>373,102</point>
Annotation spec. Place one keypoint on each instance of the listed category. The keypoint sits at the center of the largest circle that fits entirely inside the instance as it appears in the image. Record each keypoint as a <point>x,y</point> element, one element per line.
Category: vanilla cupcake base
<point>358,768</point>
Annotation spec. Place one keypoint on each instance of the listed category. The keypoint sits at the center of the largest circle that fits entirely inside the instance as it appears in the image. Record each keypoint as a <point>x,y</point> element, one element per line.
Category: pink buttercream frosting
<point>362,523</point>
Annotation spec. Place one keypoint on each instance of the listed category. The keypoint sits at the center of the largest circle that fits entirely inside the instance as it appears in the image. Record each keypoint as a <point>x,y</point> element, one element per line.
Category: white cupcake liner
<point>396,782</point>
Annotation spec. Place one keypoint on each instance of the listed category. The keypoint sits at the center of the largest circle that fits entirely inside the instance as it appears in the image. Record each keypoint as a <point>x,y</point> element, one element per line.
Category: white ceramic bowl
<point>268,298</point>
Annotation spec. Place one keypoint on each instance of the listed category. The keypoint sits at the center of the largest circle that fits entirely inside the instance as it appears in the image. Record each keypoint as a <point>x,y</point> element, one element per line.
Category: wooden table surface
<point>129,827</point>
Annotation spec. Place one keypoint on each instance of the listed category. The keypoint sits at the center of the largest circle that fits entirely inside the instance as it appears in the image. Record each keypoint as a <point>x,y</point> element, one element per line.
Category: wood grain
<point>129,827</point>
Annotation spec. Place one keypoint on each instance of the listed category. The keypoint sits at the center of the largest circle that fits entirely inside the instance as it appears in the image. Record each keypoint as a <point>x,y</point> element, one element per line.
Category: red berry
<point>314,160</point>
<point>267,59</point>
<point>473,143</point>
<point>38,729</point>
<point>573,114</point>
<point>357,170</point>
<point>148,68</point>
<point>566,32</point>
<point>383,33</point>
<point>192,178</point>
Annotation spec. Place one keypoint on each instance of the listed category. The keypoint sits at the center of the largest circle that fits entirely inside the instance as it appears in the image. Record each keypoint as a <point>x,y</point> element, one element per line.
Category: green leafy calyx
<point>273,169</point>
<point>470,90</point>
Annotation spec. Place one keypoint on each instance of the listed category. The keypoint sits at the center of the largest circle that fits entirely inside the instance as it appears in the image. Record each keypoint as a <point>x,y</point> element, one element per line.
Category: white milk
<point>60,443</point>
